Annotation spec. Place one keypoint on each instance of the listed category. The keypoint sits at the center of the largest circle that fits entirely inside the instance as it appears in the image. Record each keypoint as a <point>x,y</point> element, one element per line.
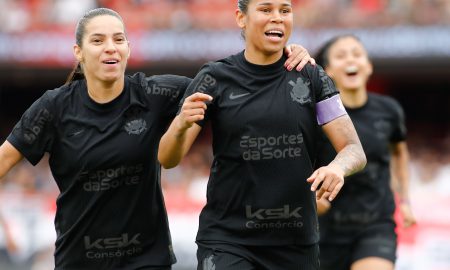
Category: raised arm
<point>9,156</point>
<point>400,176</point>
<point>350,158</point>
<point>180,136</point>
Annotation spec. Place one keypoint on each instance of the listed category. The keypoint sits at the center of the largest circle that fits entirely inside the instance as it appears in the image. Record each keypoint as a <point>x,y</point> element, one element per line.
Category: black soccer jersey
<point>264,129</point>
<point>366,196</point>
<point>110,211</point>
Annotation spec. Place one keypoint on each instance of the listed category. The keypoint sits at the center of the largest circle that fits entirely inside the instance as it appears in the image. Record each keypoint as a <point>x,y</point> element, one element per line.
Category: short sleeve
<point>399,131</point>
<point>34,134</point>
<point>166,92</point>
<point>204,82</point>
<point>325,87</point>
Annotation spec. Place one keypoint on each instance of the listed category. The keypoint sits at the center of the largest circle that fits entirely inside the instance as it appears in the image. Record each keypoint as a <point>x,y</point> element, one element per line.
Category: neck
<point>259,58</point>
<point>354,98</point>
<point>104,92</point>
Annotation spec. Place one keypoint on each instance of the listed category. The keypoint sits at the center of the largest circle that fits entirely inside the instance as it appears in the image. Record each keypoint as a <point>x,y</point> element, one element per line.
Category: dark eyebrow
<point>102,35</point>
<point>270,4</point>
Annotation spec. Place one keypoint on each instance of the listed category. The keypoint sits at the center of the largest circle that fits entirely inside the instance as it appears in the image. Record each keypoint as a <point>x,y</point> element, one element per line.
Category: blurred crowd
<point>33,15</point>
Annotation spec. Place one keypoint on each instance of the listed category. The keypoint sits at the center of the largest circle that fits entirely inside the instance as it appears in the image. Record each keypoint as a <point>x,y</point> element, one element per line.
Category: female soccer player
<point>261,210</point>
<point>102,131</point>
<point>357,229</point>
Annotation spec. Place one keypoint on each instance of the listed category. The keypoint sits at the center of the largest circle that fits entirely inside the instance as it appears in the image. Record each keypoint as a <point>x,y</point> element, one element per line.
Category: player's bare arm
<point>350,158</point>
<point>9,156</point>
<point>181,134</point>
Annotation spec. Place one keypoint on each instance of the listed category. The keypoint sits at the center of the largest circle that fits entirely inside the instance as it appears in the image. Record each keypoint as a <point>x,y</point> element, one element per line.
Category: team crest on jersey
<point>300,91</point>
<point>382,128</point>
<point>134,124</point>
<point>136,127</point>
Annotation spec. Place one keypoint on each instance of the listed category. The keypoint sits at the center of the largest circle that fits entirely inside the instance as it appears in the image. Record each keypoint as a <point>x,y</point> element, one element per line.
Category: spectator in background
<point>101,130</point>
<point>260,211</point>
<point>65,12</point>
<point>357,230</point>
<point>8,239</point>
<point>14,16</point>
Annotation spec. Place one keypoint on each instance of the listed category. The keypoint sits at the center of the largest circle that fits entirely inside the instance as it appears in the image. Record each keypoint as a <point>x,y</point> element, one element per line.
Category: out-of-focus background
<point>409,41</point>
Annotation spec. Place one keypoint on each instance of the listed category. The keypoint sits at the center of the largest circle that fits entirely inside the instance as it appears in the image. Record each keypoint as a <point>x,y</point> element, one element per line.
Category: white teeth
<point>110,61</point>
<point>351,69</point>
<point>274,32</point>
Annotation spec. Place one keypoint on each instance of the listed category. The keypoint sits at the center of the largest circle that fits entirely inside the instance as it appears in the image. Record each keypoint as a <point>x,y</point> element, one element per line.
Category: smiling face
<point>348,64</point>
<point>267,26</point>
<point>104,49</point>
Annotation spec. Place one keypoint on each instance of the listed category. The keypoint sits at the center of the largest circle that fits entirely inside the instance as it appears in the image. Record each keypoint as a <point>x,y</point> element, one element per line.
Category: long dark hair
<point>77,72</point>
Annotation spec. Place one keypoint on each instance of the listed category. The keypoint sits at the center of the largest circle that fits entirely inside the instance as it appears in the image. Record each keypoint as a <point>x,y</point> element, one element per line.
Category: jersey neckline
<point>109,106</point>
<point>260,69</point>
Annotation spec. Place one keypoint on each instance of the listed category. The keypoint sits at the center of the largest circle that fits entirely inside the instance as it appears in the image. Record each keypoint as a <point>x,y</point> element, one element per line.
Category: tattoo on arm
<point>351,158</point>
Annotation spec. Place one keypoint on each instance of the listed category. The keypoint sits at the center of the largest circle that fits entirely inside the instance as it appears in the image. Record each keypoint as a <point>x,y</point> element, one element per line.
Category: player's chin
<point>273,50</point>
<point>112,77</point>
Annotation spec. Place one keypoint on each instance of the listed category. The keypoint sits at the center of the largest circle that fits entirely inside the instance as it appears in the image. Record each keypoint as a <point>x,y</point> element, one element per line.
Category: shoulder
<point>384,101</point>
<point>140,79</point>
<point>147,88</point>
<point>60,95</point>
<point>222,65</point>
<point>314,72</point>
<point>310,70</point>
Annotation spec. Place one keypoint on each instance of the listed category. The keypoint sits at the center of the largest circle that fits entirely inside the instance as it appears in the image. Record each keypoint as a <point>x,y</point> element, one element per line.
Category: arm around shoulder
<point>9,156</point>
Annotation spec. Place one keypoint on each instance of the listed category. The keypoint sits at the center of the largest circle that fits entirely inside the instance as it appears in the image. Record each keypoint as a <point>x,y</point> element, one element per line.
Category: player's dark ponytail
<point>75,74</point>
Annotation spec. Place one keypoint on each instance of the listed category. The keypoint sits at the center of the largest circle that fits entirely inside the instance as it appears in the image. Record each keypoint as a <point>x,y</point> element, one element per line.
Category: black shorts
<point>221,256</point>
<point>378,240</point>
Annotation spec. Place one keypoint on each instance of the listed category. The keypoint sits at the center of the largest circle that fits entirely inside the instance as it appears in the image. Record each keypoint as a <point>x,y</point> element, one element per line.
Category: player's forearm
<point>350,159</point>
<point>400,170</point>
<point>174,145</point>
<point>9,156</point>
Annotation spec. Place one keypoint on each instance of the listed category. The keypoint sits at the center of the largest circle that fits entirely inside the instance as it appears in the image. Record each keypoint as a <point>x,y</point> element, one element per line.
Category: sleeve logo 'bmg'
<point>204,83</point>
<point>37,125</point>
<point>167,90</point>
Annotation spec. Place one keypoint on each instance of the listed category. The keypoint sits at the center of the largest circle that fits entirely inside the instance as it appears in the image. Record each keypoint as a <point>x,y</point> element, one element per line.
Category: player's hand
<point>330,179</point>
<point>298,57</point>
<point>407,214</point>
<point>323,205</point>
<point>193,110</point>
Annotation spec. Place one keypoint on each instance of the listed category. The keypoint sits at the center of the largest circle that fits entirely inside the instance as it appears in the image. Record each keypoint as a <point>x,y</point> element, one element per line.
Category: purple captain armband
<point>329,109</point>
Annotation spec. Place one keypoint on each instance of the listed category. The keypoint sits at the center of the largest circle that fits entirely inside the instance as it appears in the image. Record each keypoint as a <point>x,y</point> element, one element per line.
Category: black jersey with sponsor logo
<point>366,197</point>
<point>110,211</point>
<point>264,129</point>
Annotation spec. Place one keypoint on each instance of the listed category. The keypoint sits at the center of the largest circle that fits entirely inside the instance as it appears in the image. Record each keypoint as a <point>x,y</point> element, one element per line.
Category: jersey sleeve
<point>204,82</point>
<point>399,130</point>
<point>324,87</point>
<point>328,102</point>
<point>169,89</point>
<point>34,134</point>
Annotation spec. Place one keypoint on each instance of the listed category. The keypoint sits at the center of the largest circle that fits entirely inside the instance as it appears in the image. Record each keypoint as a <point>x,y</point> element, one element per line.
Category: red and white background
<point>409,42</point>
